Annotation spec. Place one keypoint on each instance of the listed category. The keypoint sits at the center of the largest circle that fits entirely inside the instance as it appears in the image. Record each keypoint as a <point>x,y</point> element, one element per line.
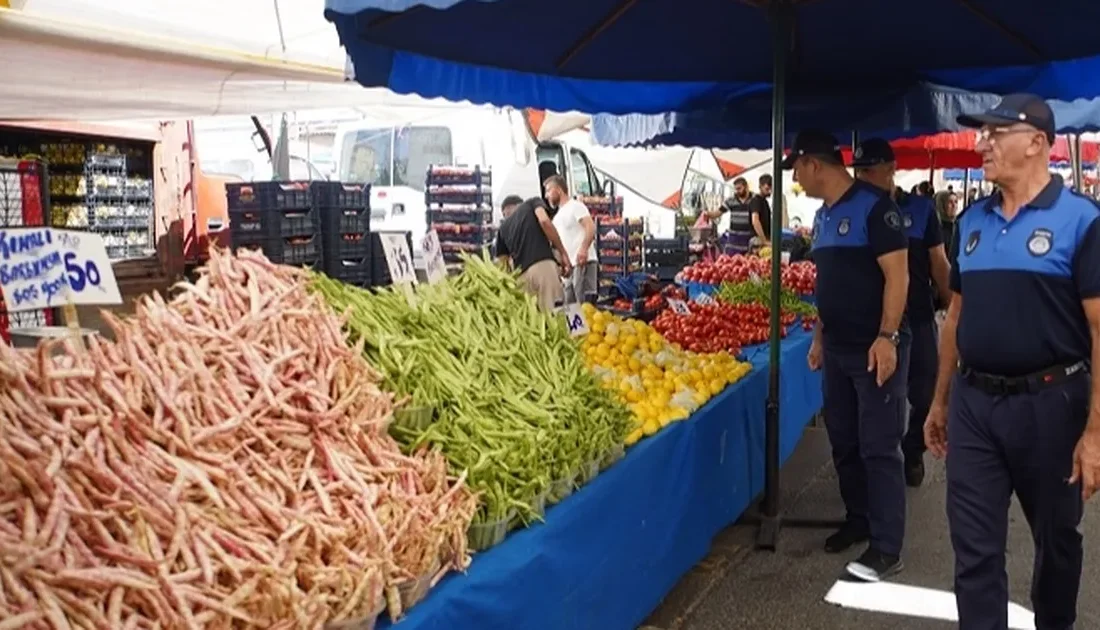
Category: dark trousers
<point>998,445</point>
<point>866,424</point>
<point>924,360</point>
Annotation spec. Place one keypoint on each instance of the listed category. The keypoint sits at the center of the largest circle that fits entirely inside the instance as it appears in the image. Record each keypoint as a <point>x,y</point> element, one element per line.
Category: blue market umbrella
<point>680,55</point>
<point>654,56</point>
<point>742,123</point>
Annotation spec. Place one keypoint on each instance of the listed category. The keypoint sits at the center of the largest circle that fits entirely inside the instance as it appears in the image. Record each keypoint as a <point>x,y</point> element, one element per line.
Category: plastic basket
<point>590,470</point>
<point>562,488</point>
<point>482,536</point>
<point>413,591</point>
<point>612,456</point>
<point>364,623</point>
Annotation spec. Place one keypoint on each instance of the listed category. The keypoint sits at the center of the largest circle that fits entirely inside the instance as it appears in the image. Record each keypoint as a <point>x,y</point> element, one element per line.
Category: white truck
<point>393,156</point>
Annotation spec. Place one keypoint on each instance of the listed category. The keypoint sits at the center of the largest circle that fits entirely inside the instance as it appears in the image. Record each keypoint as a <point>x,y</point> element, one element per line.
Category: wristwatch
<point>892,337</point>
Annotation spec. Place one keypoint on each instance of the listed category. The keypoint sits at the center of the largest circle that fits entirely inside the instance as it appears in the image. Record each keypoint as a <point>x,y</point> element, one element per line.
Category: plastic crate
<point>299,251</point>
<point>446,215</point>
<point>269,195</point>
<point>458,176</point>
<point>357,272</point>
<point>474,195</point>
<point>284,222</point>
<point>340,195</point>
<point>344,220</point>
<point>339,248</point>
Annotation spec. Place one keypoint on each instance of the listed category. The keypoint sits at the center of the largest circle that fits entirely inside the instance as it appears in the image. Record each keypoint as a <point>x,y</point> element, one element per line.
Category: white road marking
<point>912,601</point>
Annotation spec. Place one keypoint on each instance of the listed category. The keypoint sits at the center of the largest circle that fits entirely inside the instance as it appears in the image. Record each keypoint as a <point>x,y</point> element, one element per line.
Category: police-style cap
<point>872,152</point>
<point>813,142</point>
<point>1015,108</point>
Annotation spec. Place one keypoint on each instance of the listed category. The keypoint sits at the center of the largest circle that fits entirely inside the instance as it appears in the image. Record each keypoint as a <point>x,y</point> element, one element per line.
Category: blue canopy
<point>745,122</point>
<point>692,54</point>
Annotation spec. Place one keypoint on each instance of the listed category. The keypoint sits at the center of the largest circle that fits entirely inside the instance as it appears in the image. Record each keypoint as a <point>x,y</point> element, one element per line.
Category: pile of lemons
<point>659,381</point>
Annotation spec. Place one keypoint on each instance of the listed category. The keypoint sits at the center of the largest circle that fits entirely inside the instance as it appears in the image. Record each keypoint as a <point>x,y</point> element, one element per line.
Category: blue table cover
<point>608,554</point>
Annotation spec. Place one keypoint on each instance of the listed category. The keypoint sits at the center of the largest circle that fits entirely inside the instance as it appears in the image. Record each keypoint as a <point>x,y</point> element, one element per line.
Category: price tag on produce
<point>50,268</point>
<point>755,278</point>
<point>679,307</point>
<point>399,259</point>
<point>436,268</point>
<point>785,258</point>
<point>574,319</point>
<point>704,299</point>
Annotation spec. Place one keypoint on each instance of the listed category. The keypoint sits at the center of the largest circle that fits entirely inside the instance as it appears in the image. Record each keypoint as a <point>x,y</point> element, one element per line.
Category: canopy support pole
<point>770,520</point>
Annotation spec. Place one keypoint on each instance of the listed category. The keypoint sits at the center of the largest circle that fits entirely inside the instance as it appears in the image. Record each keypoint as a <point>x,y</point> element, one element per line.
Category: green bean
<point>513,404</point>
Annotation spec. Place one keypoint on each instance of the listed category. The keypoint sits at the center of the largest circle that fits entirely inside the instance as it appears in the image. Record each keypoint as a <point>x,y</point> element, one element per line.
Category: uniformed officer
<point>874,163</point>
<point>862,281</point>
<point>1013,400</point>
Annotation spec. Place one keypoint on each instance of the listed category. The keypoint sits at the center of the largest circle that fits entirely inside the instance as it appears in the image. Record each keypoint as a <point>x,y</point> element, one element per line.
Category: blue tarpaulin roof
<point>744,122</point>
<point>694,54</point>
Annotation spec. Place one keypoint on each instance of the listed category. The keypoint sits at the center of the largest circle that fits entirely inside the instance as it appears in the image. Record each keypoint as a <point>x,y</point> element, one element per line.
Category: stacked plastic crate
<point>618,242</point>
<point>665,257</point>
<point>344,211</point>
<point>459,201</point>
<point>118,207</point>
<point>23,203</point>
<point>278,218</point>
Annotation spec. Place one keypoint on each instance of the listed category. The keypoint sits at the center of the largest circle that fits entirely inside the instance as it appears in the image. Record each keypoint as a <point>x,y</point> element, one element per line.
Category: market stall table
<point>607,555</point>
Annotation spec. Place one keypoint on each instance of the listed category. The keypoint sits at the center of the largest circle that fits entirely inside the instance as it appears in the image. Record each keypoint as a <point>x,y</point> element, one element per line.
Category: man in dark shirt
<point>761,210</point>
<point>874,163</point>
<point>861,344</point>
<point>1017,404</point>
<point>528,240</point>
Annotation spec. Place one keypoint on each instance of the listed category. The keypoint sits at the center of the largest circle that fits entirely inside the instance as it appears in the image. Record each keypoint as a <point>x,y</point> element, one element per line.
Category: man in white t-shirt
<point>578,233</point>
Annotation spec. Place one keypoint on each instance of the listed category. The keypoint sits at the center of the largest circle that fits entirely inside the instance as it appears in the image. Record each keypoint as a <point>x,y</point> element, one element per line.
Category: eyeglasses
<point>990,134</point>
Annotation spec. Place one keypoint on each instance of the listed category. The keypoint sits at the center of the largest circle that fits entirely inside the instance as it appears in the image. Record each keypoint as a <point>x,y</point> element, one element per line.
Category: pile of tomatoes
<point>799,277</point>
<point>718,326</point>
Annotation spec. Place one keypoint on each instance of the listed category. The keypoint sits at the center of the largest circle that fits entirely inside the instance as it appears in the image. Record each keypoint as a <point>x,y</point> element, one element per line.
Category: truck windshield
<point>396,156</point>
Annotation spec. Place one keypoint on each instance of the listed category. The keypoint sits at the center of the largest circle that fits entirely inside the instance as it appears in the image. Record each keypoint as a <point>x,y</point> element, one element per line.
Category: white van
<point>393,155</point>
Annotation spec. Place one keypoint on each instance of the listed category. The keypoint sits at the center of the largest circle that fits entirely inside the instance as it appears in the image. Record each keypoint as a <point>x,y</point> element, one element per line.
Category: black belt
<point>995,385</point>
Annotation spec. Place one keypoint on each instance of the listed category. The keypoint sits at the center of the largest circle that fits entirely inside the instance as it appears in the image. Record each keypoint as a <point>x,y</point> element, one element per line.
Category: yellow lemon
<point>678,413</point>
<point>700,397</point>
<point>633,395</point>
<point>716,386</point>
<point>651,427</point>
<point>633,437</point>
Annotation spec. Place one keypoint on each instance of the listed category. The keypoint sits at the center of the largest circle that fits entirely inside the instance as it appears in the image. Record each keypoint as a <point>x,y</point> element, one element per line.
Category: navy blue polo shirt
<point>1023,280</point>
<point>922,227</point>
<point>848,239</point>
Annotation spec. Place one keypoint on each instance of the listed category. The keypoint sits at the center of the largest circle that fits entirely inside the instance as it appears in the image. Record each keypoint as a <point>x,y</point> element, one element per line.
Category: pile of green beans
<point>513,402</point>
<point>750,292</point>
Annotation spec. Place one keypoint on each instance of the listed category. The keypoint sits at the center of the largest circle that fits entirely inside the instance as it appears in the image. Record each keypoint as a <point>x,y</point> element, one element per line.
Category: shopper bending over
<point>527,240</point>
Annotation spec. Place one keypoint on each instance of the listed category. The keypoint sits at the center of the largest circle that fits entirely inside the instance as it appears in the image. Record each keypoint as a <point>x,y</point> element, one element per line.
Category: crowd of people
<point>1006,395</point>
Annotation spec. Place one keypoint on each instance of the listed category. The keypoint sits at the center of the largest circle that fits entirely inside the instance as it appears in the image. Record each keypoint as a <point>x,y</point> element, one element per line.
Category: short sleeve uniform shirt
<point>1023,281</point>
<point>848,239</point>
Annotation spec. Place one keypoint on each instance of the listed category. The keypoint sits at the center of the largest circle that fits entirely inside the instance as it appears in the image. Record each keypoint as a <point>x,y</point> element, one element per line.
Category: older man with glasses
<point>1015,401</point>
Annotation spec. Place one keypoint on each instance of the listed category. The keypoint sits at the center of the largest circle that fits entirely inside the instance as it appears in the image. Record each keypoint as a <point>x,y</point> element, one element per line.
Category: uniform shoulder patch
<point>892,218</point>
<point>972,240</point>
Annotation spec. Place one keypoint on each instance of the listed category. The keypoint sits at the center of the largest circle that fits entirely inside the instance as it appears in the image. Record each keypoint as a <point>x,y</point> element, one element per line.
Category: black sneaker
<point>849,534</point>
<point>914,471</point>
<point>875,566</point>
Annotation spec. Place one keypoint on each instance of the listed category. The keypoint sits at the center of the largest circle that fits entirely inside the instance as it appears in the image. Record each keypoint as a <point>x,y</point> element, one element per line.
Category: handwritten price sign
<point>433,257</point>
<point>48,268</point>
<point>574,320</point>
<point>398,257</point>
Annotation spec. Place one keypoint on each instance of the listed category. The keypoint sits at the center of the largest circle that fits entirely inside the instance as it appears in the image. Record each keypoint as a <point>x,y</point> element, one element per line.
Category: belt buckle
<point>999,385</point>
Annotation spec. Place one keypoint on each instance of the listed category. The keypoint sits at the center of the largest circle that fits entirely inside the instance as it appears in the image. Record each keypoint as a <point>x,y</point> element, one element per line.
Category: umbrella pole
<point>770,522</point>
<point>768,517</point>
